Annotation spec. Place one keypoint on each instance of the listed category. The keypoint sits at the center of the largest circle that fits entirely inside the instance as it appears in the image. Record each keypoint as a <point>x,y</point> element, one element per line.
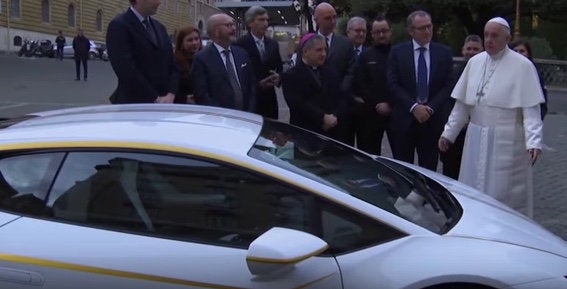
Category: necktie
<point>356,53</point>
<point>328,41</point>
<point>261,49</point>
<point>150,30</point>
<point>422,87</point>
<point>233,80</point>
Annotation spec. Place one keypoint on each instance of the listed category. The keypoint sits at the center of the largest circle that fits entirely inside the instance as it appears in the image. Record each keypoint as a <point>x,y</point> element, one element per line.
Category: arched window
<point>15,8</point>
<point>45,10</point>
<point>17,40</point>
<point>71,15</point>
<point>99,20</point>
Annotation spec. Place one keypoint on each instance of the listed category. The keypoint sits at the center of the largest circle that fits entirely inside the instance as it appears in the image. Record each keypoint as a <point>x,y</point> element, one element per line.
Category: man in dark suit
<point>312,89</point>
<point>265,58</point>
<point>452,157</point>
<point>81,47</point>
<point>371,86</point>
<point>340,56</point>
<point>223,73</point>
<point>141,55</point>
<point>419,78</point>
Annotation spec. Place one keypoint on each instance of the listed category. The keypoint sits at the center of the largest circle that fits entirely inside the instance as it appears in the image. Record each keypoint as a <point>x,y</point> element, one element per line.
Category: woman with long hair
<point>187,43</point>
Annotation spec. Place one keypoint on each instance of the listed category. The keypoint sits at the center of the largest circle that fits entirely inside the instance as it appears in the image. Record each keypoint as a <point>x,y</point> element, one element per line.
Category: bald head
<point>221,29</point>
<point>325,17</point>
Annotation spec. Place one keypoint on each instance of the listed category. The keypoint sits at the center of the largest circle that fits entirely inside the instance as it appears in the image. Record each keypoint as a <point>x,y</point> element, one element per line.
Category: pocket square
<point>371,62</point>
<point>243,65</point>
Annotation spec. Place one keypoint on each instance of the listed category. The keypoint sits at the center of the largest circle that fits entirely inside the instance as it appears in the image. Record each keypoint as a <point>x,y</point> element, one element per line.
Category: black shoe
<point>85,79</point>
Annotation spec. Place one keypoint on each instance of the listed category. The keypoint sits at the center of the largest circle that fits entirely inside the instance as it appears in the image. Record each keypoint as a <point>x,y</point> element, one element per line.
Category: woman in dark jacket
<point>523,47</point>
<point>187,43</point>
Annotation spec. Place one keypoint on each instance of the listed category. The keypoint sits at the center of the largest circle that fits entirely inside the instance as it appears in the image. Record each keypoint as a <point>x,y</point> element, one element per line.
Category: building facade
<point>42,19</point>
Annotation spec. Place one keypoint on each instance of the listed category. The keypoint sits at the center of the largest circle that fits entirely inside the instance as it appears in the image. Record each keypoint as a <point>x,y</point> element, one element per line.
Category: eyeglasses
<point>424,28</point>
<point>359,31</point>
<point>228,25</point>
<point>383,31</point>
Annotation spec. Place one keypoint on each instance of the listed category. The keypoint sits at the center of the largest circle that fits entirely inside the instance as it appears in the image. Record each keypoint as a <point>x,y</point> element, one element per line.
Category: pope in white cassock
<point>498,95</point>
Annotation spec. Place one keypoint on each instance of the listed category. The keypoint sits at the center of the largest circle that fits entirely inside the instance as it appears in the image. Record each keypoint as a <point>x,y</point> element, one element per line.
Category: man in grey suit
<point>222,72</point>
<point>340,56</point>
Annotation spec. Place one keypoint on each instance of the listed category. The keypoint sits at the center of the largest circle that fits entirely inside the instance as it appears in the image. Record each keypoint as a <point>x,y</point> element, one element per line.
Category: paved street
<point>30,85</point>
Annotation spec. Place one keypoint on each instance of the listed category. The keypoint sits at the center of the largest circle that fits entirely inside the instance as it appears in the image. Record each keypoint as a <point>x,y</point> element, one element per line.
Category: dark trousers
<point>267,104</point>
<point>421,138</point>
<point>60,52</point>
<point>78,61</point>
<point>369,129</point>
<point>452,158</point>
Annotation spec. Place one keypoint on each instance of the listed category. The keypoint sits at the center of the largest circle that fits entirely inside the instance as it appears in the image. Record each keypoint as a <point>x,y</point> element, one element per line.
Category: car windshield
<point>381,182</point>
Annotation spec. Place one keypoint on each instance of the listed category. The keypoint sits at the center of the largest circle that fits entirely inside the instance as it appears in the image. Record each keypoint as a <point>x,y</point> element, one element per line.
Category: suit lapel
<point>140,29</point>
<point>238,63</point>
<point>412,64</point>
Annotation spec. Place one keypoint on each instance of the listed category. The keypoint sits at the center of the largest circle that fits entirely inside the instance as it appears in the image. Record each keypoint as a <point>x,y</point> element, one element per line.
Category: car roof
<point>193,126</point>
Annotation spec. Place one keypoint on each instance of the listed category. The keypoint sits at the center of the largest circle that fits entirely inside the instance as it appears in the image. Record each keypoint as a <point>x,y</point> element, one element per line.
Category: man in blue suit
<point>222,72</point>
<point>419,80</point>
<point>141,55</point>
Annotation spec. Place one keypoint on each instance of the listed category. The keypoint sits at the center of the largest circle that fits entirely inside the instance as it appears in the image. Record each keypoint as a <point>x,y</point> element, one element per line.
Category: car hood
<point>487,219</point>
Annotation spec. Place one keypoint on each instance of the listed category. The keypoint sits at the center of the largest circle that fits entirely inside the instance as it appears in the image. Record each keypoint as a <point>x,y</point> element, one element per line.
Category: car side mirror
<point>280,248</point>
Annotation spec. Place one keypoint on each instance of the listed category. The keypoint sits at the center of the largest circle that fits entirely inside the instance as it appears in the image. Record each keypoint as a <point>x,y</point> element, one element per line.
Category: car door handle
<point>20,276</point>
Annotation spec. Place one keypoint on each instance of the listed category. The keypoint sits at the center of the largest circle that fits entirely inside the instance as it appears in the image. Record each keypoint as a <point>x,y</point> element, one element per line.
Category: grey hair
<point>253,12</point>
<point>311,41</point>
<point>411,17</point>
<point>473,38</point>
<point>353,20</point>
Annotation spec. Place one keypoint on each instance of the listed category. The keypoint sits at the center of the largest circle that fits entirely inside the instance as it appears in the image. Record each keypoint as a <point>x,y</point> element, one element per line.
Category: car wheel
<point>92,55</point>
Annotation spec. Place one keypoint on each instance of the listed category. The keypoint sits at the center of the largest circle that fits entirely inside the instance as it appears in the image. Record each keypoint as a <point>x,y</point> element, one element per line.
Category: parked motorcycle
<point>25,48</point>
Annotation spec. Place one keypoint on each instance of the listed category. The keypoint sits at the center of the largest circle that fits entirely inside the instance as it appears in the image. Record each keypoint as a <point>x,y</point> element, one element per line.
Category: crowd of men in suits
<point>338,87</point>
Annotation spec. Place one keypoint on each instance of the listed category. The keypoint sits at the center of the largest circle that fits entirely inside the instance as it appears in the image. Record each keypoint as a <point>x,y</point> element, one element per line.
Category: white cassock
<point>498,96</point>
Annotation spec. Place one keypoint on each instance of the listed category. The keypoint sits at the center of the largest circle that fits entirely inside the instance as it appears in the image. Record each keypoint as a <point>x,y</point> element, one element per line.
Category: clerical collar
<point>309,65</point>
<point>499,54</point>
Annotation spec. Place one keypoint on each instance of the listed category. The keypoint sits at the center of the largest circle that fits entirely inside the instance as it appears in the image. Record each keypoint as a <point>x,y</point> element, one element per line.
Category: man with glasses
<point>356,33</point>
<point>223,72</point>
<point>419,78</point>
<point>371,86</point>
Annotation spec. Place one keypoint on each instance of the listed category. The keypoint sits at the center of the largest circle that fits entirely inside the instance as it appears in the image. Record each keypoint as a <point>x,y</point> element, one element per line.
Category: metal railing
<point>553,72</point>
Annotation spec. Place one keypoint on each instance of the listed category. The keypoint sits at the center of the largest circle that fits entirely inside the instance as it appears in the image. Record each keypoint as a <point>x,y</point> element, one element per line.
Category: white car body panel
<point>195,265</point>
<point>490,244</point>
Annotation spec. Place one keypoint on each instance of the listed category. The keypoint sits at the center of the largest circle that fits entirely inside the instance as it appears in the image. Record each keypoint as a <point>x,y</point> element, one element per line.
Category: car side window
<point>25,181</point>
<point>197,200</point>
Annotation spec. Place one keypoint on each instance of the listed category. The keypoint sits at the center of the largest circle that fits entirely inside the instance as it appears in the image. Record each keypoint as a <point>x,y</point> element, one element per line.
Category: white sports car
<point>180,196</point>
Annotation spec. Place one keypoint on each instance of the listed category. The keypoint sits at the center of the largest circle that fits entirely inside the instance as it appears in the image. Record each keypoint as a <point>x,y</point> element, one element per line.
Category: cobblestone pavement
<point>30,85</point>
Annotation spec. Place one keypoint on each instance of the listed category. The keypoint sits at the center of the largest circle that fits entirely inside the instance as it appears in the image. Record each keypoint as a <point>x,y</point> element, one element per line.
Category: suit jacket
<point>371,78</point>
<point>145,70</point>
<point>309,98</point>
<point>212,84</point>
<point>267,103</point>
<point>403,86</point>
<point>341,57</point>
